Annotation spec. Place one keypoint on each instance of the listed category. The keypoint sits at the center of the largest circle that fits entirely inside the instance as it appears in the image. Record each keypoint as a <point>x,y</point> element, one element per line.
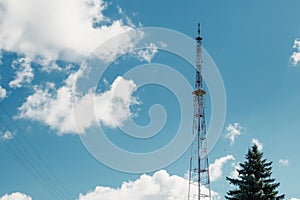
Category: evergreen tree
<point>254,181</point>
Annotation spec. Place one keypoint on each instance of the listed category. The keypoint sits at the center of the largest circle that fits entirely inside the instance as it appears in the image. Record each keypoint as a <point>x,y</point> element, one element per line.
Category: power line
<point>31,171</point>
<point>36,153</point>
<point>32,164</point>
<point>51,180</point>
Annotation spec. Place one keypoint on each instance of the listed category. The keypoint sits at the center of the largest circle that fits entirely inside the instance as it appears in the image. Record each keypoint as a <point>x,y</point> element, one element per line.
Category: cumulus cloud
<point>295,57</point>
<point>148,53</point>
<point>283,162</point>
<point>232,131</point>
<point>160,186</point>
<point>24,72</point>
<point>112,106</point>
<point>49,65</point>
<point>258,144</point>
<point>56,29</point>
<point>2,92</point>
<point>216,169</point>
<point>15,196</point>
<point>7,136</point>
<point>54,107</point>
<point>236,167</point>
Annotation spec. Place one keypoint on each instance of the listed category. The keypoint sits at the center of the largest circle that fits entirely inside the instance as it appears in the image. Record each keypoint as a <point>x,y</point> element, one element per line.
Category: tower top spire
<point>199,38</point>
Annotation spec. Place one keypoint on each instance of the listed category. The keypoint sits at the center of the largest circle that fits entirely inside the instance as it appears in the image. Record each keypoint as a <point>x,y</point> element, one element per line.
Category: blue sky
<point>254,44</point>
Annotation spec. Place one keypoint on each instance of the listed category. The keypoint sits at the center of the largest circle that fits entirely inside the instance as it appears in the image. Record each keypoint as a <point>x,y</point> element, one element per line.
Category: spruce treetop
<point>254,180</point>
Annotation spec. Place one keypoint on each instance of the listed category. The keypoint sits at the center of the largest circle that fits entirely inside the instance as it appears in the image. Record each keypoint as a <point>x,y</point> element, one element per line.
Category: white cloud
<point>216,169</point>
<point>284,162</point>
<point>6,136</point>
<point>55,107</point>
<point>235,173</point>
<point>24,72</point>
<point>160,186</point>
<point>15,196</point>
<point>49,65</point>
<point>295,57</point>
<point>56,29</point>
<point>112,106</point>
<point>232,131</point>
<point>295,199</point>
<point>148,53</point>
<point>258,144</point>
<point>2,92</point>
<point>1,56</point>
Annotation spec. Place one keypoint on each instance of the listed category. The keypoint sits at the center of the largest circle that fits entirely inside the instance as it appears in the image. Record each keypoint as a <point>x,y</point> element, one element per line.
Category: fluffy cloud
<point>148,53</point>
<point>55,29</point>
<point>15,196</point>
<point>7,136</point>
<point>284,162</point>
<point>216,169</point>
<point>24,72</point>
<point>112,106</point>
<point>258,144</point>
<point>160,186</point>
<point>235,173</point>
<point>2,92</point>
<point>295,57</point>
<point>49,65</point>
<point>232,131</point>
<point>55,107</point>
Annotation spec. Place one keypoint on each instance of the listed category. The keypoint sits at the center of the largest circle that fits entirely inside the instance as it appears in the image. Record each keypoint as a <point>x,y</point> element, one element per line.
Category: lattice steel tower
<point>199,182</point>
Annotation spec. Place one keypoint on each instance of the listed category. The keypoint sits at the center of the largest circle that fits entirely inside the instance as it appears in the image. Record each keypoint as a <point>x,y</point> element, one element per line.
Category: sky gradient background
<point>254,44</point>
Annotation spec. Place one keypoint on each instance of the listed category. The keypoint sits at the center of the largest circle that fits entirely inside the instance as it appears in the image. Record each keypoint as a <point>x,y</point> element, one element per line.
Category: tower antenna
<point>199,181</point>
